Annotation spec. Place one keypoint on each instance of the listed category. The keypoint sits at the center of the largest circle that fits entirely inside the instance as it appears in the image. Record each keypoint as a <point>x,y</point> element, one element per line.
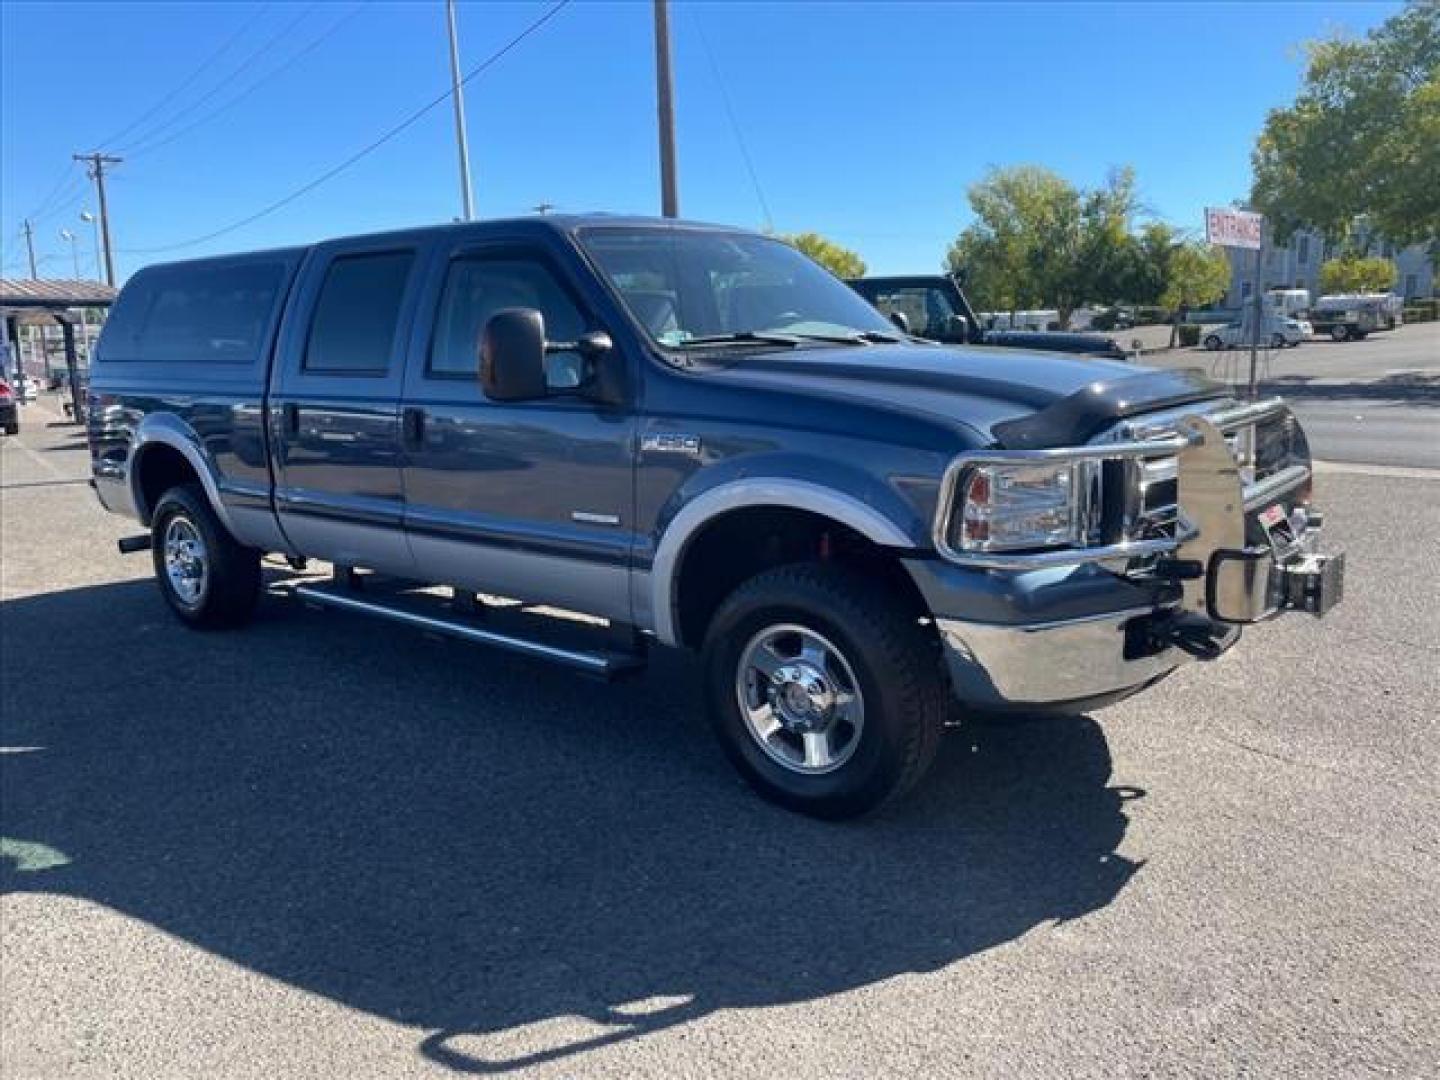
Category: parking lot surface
<point>319,847</point>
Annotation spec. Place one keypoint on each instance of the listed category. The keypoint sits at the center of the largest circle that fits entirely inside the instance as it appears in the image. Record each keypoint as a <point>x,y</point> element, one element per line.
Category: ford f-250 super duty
<point>698,437</point>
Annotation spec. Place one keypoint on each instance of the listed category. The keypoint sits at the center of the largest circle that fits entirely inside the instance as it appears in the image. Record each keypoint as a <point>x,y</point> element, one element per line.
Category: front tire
<point>1339,333</point>
<point>826,694</point>
<point>208,578</point>
<point>1212,343</point>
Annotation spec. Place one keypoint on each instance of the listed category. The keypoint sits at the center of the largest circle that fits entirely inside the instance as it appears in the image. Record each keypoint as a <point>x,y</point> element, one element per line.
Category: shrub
<point>1419,313</point>
<point>1189,334</point>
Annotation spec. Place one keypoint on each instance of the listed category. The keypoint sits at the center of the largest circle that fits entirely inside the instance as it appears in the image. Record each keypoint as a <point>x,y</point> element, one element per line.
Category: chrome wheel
<point>800,699</point>
<point>186,562</point>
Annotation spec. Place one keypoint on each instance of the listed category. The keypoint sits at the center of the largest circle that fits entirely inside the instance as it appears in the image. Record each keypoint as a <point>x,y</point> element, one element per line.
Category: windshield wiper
<point>859,337</point>
<point>743,337</point>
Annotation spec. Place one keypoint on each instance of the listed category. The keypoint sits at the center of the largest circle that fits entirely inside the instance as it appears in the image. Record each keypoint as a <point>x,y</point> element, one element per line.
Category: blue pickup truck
<point>695,437</point>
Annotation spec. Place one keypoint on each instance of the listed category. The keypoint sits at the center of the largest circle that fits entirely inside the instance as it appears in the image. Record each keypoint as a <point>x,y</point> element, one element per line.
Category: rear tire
<point>844,658</point>
<point>1339,333</point>
<point>1277,341</point>
<point>208,578</point>
<point>1212,343</point>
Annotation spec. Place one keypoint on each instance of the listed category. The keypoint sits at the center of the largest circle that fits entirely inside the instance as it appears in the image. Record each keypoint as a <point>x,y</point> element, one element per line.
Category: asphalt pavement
<point>317,847</point>
<point>1375,401</point>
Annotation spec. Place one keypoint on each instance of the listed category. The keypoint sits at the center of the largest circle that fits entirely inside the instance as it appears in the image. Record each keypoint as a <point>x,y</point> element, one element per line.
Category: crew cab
<point>691,436</point>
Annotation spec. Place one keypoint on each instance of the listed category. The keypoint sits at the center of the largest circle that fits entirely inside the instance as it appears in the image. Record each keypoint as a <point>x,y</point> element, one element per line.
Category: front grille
<point>1149,507</point>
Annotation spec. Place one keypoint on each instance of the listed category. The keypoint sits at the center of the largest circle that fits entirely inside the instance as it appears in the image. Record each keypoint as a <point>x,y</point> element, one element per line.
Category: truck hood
<point>1012,398</point>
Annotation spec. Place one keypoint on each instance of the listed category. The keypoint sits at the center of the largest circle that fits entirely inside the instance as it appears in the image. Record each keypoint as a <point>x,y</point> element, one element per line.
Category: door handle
<point>290,418</point>
<point>412,426</point>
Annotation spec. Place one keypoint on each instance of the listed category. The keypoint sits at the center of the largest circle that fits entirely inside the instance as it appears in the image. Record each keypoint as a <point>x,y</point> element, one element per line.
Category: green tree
<point>1363,136</point>
<point>1037,240</point>
<point>1195,274</point>
<point>1356,274</point>
<point>840,261</point>
<point>1020,250</point>
<point>1157,243</point>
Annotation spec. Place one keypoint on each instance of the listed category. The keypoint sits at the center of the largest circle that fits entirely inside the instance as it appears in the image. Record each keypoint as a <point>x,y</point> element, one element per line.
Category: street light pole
<point>86,215</point>
<point>457,94</point>
<point>665,99</point>
<point>67,235</point>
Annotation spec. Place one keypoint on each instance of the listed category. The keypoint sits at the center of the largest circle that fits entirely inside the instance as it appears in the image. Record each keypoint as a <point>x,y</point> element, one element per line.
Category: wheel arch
<point>752,499</point>
<point>167,450</point>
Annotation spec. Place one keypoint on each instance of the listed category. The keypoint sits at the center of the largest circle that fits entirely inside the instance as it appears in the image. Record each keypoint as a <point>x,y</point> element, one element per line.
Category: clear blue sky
<point>865,121</point>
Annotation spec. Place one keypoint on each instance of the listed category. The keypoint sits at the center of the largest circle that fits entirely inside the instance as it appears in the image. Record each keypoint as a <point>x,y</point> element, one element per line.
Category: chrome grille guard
<point>1153,446</point>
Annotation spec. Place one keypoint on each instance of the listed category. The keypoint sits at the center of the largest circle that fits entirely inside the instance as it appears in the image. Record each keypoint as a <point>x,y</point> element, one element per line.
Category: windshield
<point>693,289</point>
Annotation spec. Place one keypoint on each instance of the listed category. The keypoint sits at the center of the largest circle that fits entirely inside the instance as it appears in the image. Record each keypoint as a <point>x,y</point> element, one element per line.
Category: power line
<point>73,193</point>
<point>147,147</point>
<point>187,81</point>
<point>734,123</point>
<point>67,175</point>
<point>245,64</point>
<point>485,64</point>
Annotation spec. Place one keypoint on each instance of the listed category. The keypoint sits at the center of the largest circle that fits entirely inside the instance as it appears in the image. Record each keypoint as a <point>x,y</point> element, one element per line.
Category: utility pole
<point>457,94</point>
<point>97,162</point>
<point>30,246</point>
<point>665,94</point>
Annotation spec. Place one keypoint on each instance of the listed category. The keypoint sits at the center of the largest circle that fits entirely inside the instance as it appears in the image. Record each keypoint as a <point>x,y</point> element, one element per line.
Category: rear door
<point>528,499</point>
<point>335,405</point>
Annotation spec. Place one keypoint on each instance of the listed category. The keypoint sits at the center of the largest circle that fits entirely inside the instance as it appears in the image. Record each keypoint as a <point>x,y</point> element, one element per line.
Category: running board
<point>603,664</point>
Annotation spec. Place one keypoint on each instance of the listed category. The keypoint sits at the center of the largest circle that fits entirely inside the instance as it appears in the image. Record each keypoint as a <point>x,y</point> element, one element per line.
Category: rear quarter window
<point>194,314</point>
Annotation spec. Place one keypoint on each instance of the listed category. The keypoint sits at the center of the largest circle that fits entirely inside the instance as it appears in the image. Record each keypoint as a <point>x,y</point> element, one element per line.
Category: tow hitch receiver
<point>1313,583</point>
<point>1248,585</point>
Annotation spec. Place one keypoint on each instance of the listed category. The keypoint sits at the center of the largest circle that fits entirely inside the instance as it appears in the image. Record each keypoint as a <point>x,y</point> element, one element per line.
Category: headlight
<point>1011,507</point>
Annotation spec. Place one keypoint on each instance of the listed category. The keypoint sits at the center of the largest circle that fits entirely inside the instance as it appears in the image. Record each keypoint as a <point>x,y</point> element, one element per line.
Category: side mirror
<point>900,321</point>
<point>957,328</point>
<point>512,355</point>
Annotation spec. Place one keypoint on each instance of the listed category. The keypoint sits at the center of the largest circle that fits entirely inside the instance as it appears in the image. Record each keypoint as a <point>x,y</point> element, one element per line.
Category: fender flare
<point>167,429</point>
<point>746,494</point>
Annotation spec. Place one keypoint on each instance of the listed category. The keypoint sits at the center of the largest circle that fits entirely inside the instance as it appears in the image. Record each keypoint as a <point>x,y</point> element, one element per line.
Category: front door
<point>335,407</point>
<point>535,499</point>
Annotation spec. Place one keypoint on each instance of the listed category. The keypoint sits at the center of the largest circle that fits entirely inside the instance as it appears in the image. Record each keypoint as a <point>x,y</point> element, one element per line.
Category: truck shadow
<point>1400,389</point>
<point>524,864</point>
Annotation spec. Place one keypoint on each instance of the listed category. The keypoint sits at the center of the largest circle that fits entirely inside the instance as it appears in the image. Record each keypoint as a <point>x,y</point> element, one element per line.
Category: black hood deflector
<point>1084,414</point>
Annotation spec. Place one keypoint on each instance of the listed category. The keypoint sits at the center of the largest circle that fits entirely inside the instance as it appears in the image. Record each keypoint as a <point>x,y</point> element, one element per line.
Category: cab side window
<point>357,314</point>
<point>475,289</point>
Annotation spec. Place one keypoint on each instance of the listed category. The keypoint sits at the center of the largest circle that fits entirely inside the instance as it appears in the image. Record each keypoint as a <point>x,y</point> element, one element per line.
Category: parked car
<point>1345,318</point>
<point>1278,333</point>
<point>933,306</point>
<point>9,410</point>
<point>698,438</point>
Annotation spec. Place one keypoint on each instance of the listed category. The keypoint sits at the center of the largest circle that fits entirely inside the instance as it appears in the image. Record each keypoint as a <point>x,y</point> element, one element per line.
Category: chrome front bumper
<point>1241,554</point>
<point>1055,663</point>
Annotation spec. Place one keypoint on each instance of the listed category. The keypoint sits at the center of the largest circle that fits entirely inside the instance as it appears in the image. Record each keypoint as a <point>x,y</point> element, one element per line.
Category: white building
<point>1296,265</point>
